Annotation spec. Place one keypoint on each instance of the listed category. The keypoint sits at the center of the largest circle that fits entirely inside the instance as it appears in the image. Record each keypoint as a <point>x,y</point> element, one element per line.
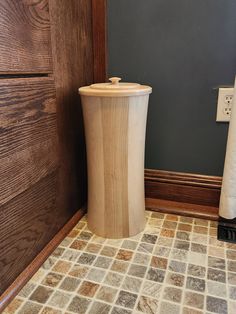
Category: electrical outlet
<point>225,102</point>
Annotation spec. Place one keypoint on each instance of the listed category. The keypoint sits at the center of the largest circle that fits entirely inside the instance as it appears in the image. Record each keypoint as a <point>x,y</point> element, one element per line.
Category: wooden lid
<point>115,89</point>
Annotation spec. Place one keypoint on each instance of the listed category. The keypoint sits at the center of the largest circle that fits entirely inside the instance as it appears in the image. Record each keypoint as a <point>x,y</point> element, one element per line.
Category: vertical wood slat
<point>25,37</point>
<point>99,13</point>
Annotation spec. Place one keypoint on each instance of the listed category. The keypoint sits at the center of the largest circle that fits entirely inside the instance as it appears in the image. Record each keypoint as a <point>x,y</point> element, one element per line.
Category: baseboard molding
<point>183,193</point>
<point>23,278</point>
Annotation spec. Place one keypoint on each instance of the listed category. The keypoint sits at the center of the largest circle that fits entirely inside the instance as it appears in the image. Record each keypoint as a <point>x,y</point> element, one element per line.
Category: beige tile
<point>59,299</point>
<point>124,255</point>
<point>88,288</point>
<point>62,267</point>
<point>147,305</point>
<point>106,294</point>
<point>13,306</point>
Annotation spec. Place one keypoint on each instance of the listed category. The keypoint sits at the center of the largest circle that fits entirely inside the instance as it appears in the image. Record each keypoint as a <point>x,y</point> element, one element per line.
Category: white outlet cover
<point>225,102</point>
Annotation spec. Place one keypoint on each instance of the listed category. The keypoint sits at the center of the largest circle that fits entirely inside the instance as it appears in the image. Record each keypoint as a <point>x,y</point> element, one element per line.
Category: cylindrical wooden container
<point>115,125</point>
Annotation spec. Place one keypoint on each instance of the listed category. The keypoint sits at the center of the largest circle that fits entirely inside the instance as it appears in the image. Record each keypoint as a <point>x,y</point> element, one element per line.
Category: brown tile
<point>177,266</point>
<point>175,279</point>
<point>181,245</point>
<point>88,288</point>
<point>182,235</point>
<point>70,284</point>
<point>137,270</point>
<point>13,306</point>
<point>184,219</point>
<point>126,299</point>
<point>50,310</point>
<point>214,224</point>
<point>93,248</point>
<point>194,299</point>
<point>216,305</point>
<point>216,275</point>
<point>231,254</point>
<point>184,227</point>
<point>52,280</point>
<point>106,294</point>
<point>231,266</point>
<point>172,294</point>
<point>78,271</point>
<point>216,251</point>
<point>113,279</point>
<point>27,289</point>
<point>70,255</point>
<point>99,308</point>
<point>30,308</point>
<point>96,275</point>
<point>119,266</point>
<point>158,215</point>
<point>196,270</point>
<point>199,229</point>
<point>59,299</point>
<point>159,262</point>
<point>171,217</point>
<point>231,246</point>
<point>195,284</point>
<point>109,251</point>
<point>103,262</point>
<point>147,305</point>
<point>62,267</point>
<point>201,222</point>
<point>79,305</point>
<point>86,258</point>
<point>216,262</point>
<point>213,232</point>
<point>73,233</point>
<point>78,245</point>
<point>41,294</point>
<point>58,252</point>
<point>155,274</point>
<point>124,255</point>
<point>132,284</point>
<point>169,224</point>
<point>169,233</point>
<point>196,247</point>
<point>141,258</point>
<point>130,245</point>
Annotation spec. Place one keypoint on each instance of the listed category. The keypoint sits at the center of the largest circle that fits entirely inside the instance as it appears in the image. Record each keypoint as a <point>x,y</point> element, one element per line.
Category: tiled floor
<point>175,266</point>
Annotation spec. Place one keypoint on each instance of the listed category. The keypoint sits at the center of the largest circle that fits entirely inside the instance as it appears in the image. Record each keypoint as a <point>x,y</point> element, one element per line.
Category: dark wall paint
<point>183,49</point>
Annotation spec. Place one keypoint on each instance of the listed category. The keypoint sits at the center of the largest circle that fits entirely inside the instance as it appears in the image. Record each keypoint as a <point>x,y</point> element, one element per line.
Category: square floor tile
<point>79,305</point>
<point>147,305</point>
<point>41,294</point>
<point>106,294</point>
<point>126,299</point>
<point>132,284</point>
<point>60,299</point>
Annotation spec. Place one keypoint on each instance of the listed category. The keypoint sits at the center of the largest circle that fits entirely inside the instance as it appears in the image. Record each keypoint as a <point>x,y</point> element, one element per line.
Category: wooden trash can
<point>115,126</point>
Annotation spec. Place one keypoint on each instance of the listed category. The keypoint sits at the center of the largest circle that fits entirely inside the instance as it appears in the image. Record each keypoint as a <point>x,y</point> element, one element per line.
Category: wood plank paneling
<point>72,46</point>
<point>28,171</point>
<point>25,37</point>
<point>24,105</point>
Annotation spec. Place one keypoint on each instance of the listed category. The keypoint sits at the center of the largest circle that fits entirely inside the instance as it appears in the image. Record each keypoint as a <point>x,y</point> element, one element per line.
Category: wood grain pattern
<point>115,137</point>
<point>99,19</point>
<point>167,189</point>
<point>30,270</point>
<point>25,37</point>
<point>24,104</point>
<point>71,30</point>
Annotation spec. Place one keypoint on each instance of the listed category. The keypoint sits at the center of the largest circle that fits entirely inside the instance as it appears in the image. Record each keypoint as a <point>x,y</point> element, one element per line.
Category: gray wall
<point>183,49</point>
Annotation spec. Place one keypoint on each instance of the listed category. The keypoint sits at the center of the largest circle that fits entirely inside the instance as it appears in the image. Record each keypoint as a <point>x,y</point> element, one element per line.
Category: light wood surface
<point>115,138</point>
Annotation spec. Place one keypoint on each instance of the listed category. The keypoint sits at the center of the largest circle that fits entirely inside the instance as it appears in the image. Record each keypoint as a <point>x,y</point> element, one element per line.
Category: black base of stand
<point>227,230</point>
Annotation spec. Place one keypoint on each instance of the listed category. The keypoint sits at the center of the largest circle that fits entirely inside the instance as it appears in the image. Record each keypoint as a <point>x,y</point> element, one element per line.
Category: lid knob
<point>114,80</point>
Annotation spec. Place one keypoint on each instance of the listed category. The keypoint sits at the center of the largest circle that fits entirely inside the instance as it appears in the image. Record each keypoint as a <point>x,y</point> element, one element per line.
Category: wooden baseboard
<point>23,278</point>
<point>183,193</point>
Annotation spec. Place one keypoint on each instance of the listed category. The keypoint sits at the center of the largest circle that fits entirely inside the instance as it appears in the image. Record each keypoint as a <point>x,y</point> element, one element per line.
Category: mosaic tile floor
<point>175,266</point>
